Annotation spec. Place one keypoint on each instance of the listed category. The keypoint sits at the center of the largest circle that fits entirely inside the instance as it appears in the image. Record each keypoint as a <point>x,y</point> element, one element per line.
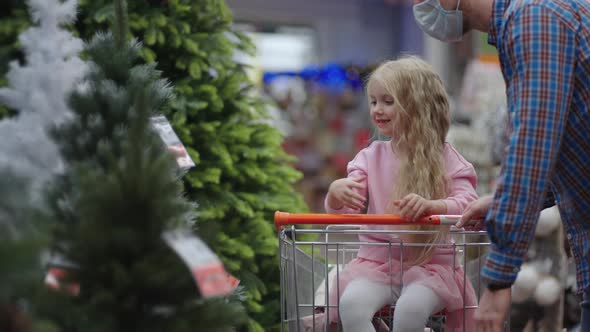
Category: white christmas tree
<point>38,91</point>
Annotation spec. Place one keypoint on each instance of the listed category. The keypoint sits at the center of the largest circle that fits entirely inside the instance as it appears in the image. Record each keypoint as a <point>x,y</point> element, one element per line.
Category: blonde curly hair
<point>420,128</point>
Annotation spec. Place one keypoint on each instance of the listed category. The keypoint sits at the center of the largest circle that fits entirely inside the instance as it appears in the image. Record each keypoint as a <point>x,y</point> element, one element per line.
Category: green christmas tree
<point>119,193</point>
<point>243,175</point>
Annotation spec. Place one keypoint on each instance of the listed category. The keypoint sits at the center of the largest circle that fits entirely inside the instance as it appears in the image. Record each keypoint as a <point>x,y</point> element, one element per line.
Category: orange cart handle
<point>285,218</point>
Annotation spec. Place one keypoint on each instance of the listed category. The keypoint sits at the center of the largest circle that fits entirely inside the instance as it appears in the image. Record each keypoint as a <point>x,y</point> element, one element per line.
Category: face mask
<point>439,23</point>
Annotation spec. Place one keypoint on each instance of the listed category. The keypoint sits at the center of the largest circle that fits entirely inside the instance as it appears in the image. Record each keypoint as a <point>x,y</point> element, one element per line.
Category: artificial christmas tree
<point>37,91</point>
<point>243,176</point>
<point>119,193</point>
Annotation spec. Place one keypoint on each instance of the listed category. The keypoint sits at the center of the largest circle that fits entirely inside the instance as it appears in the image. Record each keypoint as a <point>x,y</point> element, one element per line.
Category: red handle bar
<point>285,218</point>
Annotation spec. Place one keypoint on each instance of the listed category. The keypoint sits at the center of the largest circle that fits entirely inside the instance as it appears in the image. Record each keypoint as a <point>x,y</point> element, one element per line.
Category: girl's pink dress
<point>443,274</point>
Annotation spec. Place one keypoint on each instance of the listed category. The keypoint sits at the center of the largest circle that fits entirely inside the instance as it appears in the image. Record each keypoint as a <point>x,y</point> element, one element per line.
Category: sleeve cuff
<point>452,206</point>
<point>497,287</point>
<point>500,268</point>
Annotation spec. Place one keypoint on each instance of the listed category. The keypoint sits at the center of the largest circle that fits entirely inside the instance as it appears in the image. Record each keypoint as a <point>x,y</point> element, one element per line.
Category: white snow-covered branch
<point>38,90</point>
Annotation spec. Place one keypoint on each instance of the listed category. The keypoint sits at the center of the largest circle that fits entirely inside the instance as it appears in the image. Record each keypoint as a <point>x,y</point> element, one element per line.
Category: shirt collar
<point>498,9</point>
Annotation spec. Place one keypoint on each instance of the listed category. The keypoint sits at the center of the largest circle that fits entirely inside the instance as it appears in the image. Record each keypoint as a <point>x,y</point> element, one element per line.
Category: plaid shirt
<point>544,50</point>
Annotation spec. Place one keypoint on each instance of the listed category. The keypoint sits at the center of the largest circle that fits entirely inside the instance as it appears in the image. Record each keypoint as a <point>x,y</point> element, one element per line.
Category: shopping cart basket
<point>311,260</point>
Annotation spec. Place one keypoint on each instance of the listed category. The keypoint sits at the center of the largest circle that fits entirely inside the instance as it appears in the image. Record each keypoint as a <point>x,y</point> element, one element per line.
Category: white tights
<point>362,299</point>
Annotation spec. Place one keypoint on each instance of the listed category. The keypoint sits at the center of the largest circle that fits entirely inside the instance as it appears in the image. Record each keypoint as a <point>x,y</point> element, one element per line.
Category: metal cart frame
<point>311,257</point>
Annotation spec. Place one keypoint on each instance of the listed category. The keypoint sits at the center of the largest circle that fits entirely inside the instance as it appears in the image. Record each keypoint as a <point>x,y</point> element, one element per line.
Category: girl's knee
<point>414,308</point>
<point>351,308</point>
<point>359,302</point>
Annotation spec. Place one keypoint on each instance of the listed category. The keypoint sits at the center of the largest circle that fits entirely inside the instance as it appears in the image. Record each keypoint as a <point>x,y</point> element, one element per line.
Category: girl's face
<point>383,108</point>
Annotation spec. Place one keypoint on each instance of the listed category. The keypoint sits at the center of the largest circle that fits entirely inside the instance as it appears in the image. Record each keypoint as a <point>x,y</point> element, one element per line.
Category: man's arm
<point>541,50</point>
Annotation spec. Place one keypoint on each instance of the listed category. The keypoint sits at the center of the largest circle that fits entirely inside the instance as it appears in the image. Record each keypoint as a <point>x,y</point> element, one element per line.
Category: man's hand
<point>492,311</point>
<point>474,210</point>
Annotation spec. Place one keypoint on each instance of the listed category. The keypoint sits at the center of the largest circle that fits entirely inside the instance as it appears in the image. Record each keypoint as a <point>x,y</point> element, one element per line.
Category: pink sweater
<point>378,164</point>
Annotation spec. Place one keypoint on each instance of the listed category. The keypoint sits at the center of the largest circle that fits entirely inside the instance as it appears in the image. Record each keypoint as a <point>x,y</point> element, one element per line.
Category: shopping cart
<point>311,260</point>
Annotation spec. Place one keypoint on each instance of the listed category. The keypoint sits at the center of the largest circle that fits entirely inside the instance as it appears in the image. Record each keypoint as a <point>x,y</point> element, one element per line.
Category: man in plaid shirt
<point>544,50</point>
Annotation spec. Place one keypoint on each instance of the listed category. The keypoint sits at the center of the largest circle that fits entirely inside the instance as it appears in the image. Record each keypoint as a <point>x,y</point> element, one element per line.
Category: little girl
<point>416,173</point>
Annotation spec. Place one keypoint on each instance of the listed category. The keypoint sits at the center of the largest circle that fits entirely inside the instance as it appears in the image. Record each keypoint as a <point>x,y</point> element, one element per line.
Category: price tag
<point>206,268</point>
<point>172,142</point>
<point>56,280</point>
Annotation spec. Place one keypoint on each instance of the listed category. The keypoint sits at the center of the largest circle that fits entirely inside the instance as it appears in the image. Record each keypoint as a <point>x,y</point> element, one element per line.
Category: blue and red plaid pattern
<point>544,50</point>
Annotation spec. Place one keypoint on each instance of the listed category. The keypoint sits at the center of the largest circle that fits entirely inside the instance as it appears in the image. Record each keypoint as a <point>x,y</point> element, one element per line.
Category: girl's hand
<point>342,193</point>
<point>414,206</point>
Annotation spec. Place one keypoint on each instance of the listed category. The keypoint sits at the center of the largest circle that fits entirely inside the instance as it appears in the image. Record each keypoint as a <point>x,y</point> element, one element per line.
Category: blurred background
<point>311,61</point>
